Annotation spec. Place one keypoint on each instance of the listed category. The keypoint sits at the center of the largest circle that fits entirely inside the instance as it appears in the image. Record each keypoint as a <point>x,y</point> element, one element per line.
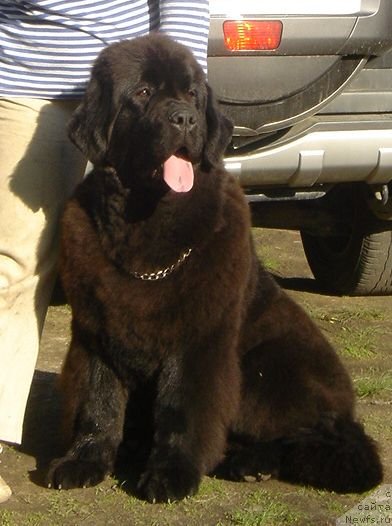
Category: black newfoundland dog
<point>183,346</point>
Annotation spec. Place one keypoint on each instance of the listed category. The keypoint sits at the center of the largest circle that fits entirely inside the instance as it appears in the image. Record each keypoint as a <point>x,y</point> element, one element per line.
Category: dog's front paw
<point>65,473</point>
<point>172,480</point>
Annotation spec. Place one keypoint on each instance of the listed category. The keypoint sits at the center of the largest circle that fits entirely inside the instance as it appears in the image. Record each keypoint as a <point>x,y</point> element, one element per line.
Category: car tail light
<point>252,35</point>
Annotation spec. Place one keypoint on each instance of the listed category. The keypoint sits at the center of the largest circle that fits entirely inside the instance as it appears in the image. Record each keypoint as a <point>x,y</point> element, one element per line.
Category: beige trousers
<point>38,169</point>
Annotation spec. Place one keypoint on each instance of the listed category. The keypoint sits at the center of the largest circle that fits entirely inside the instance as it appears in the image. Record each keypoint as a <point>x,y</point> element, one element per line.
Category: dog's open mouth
<point>178,172</point>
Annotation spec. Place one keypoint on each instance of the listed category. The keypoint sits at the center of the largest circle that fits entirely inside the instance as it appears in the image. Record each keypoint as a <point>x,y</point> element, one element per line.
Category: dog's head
<point>148,106</point>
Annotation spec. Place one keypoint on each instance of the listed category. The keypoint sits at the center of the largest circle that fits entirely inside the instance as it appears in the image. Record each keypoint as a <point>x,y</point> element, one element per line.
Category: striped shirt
<point>47,47</point>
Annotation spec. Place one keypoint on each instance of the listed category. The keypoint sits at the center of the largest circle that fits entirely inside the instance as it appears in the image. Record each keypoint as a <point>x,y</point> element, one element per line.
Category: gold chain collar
<point>163,273</point>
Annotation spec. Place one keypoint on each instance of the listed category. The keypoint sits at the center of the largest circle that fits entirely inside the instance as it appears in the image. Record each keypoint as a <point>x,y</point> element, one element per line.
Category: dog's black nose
<point>183,119</point>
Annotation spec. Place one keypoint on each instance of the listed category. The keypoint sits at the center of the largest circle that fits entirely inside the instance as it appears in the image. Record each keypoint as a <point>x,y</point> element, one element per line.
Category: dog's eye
<point>144,93</point>
<point>192,93</point>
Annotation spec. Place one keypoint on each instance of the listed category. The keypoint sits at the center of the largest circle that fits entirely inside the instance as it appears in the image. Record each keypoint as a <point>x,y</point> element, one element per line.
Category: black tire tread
<point>375,265</point>
<point>365,271</point>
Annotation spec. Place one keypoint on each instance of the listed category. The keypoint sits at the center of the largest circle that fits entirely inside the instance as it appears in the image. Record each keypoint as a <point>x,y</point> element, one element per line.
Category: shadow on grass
<point>42,438</point>
<point>302,285</point>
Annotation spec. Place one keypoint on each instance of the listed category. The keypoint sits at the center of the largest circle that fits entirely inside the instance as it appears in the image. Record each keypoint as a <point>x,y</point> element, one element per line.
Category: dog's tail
<point>336,455</point>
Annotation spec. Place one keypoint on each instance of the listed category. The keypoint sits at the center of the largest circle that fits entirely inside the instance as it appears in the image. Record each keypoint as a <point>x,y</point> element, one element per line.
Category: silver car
<point>308,86</point>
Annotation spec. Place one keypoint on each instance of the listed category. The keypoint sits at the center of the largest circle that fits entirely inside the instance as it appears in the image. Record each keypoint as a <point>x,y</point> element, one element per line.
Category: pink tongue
<point>178,174</point>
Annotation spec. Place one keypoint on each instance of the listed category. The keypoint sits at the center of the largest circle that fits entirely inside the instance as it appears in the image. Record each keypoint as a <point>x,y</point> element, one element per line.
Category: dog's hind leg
<point>94,415</point>
<point>335,455</point>
<point>297,408</point>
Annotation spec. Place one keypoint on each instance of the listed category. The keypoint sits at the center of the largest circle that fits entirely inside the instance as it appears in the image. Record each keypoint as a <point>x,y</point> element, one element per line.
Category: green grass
<point>374,383</point>
<point>346,316</point>
<point>269,262</point>
<point>264,252</point>
<point>263,509</point>
<point>354,332</point>
<point>7,518</point>
<point>62,506</point>
<point>357,343</point>
<point>11,518</point>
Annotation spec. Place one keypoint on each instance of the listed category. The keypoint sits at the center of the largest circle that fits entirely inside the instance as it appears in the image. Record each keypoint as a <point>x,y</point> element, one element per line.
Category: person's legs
<point>38,169</point>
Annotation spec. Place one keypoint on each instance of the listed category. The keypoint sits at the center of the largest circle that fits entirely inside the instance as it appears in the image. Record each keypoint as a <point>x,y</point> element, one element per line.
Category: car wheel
<point>358,263</point>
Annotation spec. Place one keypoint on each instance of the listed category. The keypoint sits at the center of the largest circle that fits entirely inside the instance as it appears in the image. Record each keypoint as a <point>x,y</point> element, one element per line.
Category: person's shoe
<point>5,491</point>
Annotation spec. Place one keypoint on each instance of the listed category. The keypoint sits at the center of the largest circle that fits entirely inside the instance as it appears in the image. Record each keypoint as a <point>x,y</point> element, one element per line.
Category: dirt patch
<point>359,327</point>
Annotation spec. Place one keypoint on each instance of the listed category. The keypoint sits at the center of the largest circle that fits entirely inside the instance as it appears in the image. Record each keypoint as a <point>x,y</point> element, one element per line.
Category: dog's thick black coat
<point>212,368</point>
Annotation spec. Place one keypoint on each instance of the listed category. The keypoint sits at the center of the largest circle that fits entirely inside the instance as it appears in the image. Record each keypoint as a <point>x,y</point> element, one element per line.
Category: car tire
<point>358,263</point>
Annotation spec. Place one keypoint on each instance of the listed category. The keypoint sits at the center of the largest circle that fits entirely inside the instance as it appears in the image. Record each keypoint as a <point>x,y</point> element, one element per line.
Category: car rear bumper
<point>327,152</point>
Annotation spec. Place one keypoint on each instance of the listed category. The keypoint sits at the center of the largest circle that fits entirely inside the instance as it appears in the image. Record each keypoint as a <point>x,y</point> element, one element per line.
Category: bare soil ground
<point>361,329</point>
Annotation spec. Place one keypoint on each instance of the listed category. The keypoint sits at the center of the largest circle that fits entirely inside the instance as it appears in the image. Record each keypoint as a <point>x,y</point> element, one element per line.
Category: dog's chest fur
<point>108,245</point>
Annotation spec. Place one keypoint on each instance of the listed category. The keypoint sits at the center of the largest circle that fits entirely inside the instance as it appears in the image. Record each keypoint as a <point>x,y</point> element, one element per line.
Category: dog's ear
<point>219,131</point>
<point>90,125</point>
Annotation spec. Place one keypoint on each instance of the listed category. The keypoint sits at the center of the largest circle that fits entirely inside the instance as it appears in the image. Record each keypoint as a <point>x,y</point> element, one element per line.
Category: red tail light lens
<point>252,35</point>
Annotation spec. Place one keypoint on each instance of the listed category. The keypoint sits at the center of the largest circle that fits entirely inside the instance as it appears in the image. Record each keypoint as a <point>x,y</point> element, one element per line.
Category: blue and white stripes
<point>47,46</point>
<point>188,23</point>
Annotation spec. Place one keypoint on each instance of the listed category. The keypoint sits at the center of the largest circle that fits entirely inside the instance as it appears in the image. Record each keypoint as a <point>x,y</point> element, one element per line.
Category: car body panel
<point>288,7</point>
<point>322,155</point>
<point>316,110</point>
